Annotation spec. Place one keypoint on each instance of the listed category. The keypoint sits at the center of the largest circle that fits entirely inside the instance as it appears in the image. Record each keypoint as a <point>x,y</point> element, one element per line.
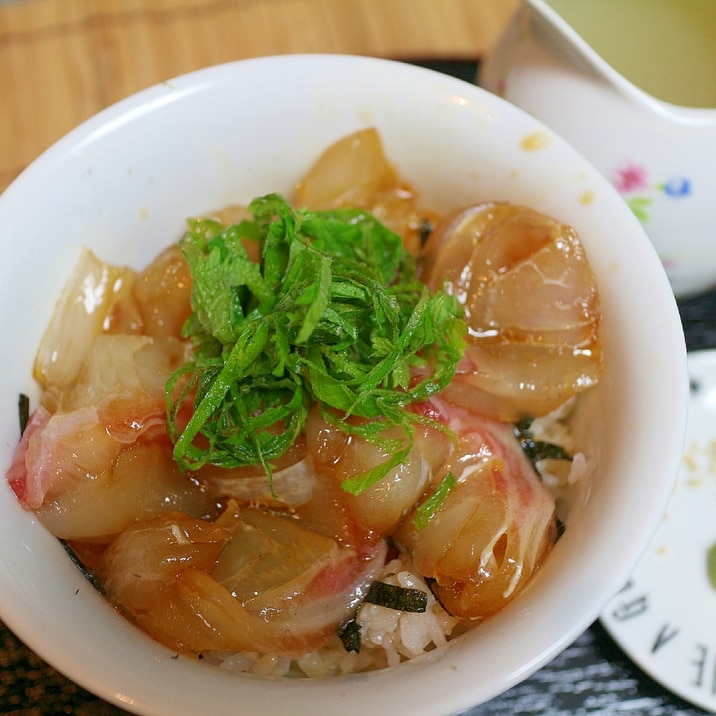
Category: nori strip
<point>392,596</point>
<point>351,637</point>
<point>23,408</point>
<point>536,450</point>
<point>88,574</point>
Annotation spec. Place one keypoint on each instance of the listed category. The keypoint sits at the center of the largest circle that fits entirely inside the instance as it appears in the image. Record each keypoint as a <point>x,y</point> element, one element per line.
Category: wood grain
<point>61,61</point>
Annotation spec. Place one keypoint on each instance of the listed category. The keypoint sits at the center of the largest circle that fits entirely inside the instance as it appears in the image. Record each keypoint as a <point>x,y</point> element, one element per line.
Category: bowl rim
<point>131,692</point>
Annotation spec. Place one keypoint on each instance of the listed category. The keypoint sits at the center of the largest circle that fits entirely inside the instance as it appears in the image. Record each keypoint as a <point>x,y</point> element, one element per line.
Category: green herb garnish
<point>711,564</point>
<point>427,509</point>
<point>393,596</point>
<point>332,315</point>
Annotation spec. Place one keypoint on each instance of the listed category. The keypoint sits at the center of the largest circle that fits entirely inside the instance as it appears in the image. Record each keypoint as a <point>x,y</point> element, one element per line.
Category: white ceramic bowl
<point>123,183</point>
<point>658,155</point>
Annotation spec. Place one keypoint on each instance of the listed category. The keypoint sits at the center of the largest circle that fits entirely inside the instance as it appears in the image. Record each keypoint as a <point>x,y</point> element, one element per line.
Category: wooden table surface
<point>63,60</point>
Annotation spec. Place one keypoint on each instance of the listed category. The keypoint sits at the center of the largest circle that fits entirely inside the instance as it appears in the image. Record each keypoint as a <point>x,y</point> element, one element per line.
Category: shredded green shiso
<point>425,511</point>
<point>332,315</point>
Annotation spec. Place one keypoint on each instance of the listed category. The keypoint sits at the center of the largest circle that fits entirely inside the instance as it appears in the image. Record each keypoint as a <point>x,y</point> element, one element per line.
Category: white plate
<point>665,617</point>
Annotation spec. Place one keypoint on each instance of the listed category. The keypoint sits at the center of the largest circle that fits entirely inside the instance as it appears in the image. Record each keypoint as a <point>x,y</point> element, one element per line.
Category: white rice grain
<point>404,634</point>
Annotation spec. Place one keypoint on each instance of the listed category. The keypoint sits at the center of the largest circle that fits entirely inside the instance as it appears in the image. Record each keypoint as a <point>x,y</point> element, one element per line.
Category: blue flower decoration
<point>677,187</point>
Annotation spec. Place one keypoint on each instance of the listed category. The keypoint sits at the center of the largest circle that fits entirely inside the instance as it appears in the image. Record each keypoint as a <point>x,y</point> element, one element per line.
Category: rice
<point>560,476</point>
<point>404,635</point>
<point>388,637</point>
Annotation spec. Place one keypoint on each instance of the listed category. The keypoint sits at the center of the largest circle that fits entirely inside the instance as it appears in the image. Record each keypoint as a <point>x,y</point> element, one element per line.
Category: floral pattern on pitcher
<point>632,182</point>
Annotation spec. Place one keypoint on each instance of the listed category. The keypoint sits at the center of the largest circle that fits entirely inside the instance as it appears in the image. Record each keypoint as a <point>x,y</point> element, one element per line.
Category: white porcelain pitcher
<point>632,85</point>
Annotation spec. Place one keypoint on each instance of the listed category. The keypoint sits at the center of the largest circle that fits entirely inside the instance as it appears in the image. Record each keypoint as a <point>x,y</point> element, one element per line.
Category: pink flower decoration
<point>630,177</point>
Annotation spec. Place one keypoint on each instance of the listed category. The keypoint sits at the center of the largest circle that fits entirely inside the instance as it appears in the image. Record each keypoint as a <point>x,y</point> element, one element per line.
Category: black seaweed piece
<point>560,528</point>
<point>536,450</point>
<point>426,228</point>
<point>23,409</point>
<point>351,637</point>
<point>392,596</point>
<point>88,574</point>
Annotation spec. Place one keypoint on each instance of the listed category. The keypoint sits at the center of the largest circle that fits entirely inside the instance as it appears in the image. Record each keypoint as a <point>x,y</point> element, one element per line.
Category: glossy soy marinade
<point>239,467</point>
